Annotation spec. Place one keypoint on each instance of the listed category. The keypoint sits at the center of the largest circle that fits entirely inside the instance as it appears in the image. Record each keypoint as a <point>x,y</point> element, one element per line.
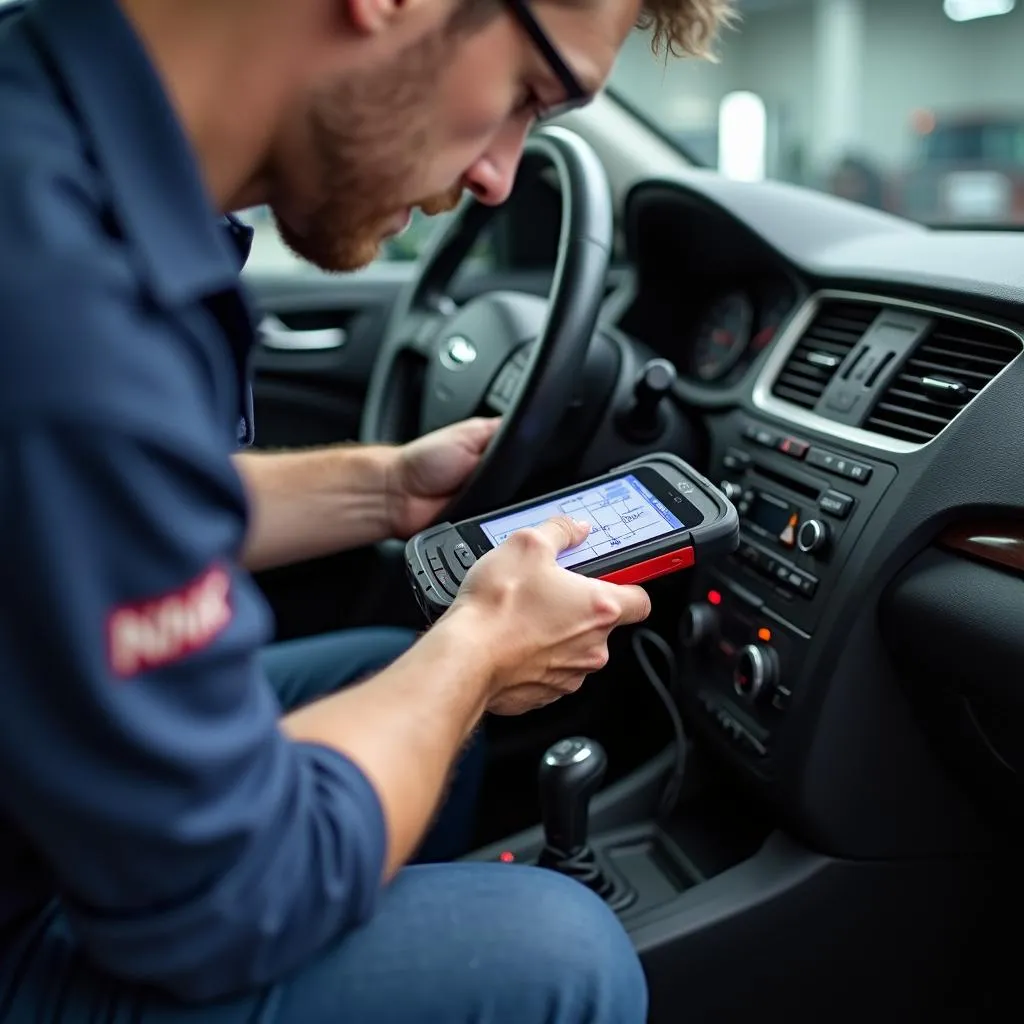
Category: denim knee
<point>576,956</point>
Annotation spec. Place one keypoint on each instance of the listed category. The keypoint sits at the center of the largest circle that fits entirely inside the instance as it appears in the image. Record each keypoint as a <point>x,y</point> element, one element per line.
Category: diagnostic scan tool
<point>647,519</point>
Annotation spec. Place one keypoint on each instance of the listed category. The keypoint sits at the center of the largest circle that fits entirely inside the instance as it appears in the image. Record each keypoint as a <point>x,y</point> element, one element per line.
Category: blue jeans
<point>449,944</point>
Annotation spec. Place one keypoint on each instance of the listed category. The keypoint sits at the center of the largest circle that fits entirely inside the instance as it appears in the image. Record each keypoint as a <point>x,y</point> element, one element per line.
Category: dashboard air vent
<point>833,332</point>
<point>953,362</point>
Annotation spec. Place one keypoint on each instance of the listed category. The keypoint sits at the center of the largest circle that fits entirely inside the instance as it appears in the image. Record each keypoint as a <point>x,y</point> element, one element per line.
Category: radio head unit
<point>801,507</point>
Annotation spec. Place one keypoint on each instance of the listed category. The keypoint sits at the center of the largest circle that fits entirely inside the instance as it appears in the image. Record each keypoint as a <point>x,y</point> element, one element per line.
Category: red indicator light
<point>506,857</point>
<point>764,634</point>
<point>714,597</point>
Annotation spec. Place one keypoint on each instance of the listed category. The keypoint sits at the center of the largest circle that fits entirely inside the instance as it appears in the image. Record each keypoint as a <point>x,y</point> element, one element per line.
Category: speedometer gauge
<point>723,336</point>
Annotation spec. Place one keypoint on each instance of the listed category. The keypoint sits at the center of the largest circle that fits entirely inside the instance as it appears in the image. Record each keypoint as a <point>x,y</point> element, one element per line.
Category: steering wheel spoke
<point>504,390</point>
<point>424,324</point>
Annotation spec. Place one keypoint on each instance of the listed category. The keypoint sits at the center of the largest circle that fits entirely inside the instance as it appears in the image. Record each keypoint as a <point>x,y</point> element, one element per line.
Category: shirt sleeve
<point>193,845</point>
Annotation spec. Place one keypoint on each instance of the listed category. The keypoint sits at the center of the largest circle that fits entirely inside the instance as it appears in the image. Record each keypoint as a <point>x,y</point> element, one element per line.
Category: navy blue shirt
<point>145,782</point>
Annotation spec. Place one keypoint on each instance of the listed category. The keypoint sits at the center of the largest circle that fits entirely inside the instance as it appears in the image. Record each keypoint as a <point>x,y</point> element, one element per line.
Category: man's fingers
<point>635,603</point>
<point>561,532</point>
<point>481,431</point>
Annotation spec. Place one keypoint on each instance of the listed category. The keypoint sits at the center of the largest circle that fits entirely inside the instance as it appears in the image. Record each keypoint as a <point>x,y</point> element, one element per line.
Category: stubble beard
<point>370,136</point>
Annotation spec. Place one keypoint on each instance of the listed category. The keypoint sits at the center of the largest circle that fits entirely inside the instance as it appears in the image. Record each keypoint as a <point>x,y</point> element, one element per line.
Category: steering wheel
<point>516,353</point>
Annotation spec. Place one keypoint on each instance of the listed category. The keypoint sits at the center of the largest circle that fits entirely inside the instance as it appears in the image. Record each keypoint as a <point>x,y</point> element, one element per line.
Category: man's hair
<point>678,27</point>
<point>686,27</point>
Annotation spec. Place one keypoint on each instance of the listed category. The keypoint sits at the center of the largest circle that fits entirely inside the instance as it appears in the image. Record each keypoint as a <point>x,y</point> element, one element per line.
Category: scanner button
<point>445,582</point>
<point>463,555</point>
<point>451,565</point>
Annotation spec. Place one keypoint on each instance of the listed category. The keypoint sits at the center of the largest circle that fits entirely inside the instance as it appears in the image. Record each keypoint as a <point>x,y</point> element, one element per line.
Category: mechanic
<point>193,828</point>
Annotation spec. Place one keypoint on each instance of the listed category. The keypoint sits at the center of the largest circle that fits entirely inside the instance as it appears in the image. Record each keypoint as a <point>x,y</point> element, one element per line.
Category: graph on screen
<point>622,513</point>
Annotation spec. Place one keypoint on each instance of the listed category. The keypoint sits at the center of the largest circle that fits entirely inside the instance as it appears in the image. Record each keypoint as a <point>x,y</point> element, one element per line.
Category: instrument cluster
<point>735,326</point>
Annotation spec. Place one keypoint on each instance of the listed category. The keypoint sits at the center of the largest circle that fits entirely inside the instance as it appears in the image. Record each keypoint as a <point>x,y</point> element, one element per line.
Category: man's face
<point>446,111</point>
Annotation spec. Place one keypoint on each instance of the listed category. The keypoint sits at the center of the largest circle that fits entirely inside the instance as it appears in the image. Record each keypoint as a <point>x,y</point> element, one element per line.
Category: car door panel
<point>319,337</point>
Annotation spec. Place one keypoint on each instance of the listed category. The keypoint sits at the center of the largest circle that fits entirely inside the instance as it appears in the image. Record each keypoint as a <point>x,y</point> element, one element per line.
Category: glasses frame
<point>575,94</point>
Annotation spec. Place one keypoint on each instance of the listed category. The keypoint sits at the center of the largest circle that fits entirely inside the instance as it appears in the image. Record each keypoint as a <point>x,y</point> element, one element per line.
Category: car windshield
<point>912,106</point>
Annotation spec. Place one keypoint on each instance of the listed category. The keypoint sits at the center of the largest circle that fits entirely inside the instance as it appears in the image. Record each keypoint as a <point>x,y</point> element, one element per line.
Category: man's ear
<point>371,16</point>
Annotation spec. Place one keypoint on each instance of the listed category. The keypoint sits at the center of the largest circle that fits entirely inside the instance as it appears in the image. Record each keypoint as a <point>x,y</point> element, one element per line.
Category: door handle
<point>281,338</point>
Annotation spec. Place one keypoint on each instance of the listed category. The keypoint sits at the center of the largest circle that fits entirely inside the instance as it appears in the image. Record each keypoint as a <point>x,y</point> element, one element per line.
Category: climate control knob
<point>698,625</point>
<point>756,671</point>
<point>812,538</point>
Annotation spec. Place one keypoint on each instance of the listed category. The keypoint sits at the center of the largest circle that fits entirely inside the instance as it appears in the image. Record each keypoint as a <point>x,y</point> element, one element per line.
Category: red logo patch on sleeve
<point>147,634</point>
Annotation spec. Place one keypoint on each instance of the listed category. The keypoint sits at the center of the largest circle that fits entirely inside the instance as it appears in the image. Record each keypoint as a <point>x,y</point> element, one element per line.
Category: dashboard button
<point>766,438</point>
<point>736,458</point>
<point>793,448</point>
<point>822,459</point>
<point>835,503</point>
<point>858,472</point>
<point>807,585</point>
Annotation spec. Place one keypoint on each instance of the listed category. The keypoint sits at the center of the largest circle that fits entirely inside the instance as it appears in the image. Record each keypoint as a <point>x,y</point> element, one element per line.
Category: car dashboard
<point>855,387</point>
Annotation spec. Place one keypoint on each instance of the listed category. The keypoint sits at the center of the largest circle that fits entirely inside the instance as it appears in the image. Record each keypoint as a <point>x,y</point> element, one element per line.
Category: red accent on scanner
<point>661,565</point>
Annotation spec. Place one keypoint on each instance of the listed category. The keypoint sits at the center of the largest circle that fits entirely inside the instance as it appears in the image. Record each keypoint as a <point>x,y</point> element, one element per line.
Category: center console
<point>726,876</point>
<point>802,506</point>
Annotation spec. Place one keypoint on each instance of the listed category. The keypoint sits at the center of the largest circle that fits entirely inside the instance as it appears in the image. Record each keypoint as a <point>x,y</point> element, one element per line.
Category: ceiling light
<point>971,10</point>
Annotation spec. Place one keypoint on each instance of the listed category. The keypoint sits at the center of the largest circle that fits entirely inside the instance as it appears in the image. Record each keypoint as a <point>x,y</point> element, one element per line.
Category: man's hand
<point>427,473</point>
<point>522,632</point>
<point>545,628</point>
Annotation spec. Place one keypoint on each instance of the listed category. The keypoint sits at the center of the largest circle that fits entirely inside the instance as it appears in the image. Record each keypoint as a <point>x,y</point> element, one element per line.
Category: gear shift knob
<point>645,418</point>
<point>571,772</point>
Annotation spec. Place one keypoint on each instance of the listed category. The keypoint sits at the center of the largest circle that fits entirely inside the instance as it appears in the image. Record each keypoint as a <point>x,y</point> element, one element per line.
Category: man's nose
<point>490,178</point>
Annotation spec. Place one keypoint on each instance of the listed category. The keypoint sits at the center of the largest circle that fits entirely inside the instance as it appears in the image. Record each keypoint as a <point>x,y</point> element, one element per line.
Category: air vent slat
<point>945,355</point>
<point>925,366</point>
<point>837,340</point>
<point>958,343</point>
<point>896,409</point>
<point>822,353</point>
<point>807,371</point>
<point>945,373</point>
<point>797,397</point>
<point>900,431</point>
<point>835,330</point>
<point>802,376</point>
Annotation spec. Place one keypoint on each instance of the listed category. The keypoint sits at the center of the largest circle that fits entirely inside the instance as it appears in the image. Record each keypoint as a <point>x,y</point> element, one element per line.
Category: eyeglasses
<point>575,94</point>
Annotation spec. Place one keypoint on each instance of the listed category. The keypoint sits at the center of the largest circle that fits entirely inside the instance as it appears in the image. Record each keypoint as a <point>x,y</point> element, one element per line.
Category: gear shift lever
<point>570,773</point>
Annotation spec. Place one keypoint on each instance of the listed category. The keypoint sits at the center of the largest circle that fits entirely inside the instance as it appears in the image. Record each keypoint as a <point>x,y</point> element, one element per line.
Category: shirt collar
<point>141,148</point>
